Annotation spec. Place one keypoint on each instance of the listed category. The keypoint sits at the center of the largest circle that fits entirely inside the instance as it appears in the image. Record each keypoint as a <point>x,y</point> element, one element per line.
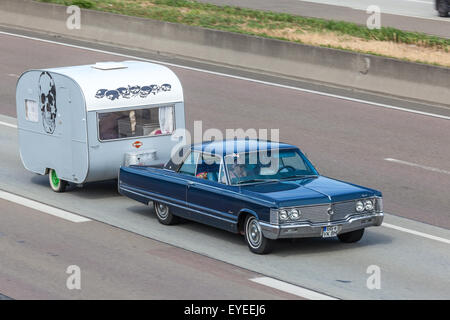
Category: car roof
<point>226,147</point>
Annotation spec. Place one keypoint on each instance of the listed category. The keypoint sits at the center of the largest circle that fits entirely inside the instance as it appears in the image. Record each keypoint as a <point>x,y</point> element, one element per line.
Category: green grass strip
<point>236,19</point>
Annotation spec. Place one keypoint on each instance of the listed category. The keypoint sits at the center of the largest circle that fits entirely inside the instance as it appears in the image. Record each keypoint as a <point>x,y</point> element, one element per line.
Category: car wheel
<point>443,8</point>
<point>254,237</point>
<point>350,237</point>
<point>57,185</point>
<point>164,214</point>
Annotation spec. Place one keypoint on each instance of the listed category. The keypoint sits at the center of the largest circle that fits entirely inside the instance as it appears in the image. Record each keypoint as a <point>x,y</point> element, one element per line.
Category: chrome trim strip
<point>150,195</point>
<point>315,230</point>
<point>324,224</point>
<point>155,198</point>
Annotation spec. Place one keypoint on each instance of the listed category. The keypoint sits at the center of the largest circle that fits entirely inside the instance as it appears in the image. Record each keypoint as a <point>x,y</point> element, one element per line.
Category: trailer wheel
<point>57,184</point>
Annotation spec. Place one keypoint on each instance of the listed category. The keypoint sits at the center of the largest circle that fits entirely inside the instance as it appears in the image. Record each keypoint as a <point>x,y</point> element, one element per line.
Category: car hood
<point>318,190</point>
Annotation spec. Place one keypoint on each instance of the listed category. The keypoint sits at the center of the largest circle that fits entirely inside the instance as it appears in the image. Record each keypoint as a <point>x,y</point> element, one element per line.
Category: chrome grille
<point>343,209</point>
<point>315,214</point>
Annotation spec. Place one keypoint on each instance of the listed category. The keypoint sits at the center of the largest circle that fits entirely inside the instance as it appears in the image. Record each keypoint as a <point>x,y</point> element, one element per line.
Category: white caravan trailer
<point>80,124</point>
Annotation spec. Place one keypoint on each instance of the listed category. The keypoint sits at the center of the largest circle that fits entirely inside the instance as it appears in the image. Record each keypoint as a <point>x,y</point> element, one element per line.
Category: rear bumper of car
<point>306,229</point>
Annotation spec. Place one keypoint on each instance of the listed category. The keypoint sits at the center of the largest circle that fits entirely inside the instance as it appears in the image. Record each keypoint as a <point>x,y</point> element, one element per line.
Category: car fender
<point>243,213</point>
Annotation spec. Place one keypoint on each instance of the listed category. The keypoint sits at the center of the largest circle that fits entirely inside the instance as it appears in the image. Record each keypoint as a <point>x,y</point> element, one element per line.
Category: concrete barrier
<point>336,67</point>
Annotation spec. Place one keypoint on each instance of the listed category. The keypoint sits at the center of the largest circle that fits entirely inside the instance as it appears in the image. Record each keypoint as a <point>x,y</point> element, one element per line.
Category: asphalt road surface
<point>37,249</point>
<point>401,153</point>
<point>412,15</point>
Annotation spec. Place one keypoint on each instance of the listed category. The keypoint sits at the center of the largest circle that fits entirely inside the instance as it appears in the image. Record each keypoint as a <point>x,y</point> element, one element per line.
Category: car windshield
<point>267,166</point>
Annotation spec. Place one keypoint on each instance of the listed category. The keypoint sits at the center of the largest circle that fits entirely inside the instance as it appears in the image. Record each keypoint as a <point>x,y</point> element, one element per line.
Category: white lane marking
<point>384,224</point>
<point>417,165</point>
<point>417,233</point>
<point>292,289</point>
<point>428,236</point>
<point>8,124</point>
<point>266,83</point>
<point>233,76</point>
<point>42,207</point>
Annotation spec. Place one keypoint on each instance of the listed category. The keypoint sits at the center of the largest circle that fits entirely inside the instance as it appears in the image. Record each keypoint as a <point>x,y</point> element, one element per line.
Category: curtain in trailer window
<point>166,120</point>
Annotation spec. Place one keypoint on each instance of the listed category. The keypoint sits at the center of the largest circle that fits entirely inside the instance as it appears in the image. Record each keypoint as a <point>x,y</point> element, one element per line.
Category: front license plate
<point>330,231</point>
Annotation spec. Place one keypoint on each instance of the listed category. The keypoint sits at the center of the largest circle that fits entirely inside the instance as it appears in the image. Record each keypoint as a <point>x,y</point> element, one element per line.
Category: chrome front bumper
<point>306,229</point>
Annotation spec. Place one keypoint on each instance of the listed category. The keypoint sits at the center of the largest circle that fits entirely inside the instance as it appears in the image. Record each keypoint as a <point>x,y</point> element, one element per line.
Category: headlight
<point>283,215</point>
<point>359,206</point>
<point>368,205</point>
<point>294,214</point>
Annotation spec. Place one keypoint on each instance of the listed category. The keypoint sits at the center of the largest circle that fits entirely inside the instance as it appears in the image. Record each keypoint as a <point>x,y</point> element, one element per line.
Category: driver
<point>238,171</point>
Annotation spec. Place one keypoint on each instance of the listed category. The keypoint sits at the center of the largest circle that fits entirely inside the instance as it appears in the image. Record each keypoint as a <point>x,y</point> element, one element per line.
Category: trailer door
<point>64,120</point>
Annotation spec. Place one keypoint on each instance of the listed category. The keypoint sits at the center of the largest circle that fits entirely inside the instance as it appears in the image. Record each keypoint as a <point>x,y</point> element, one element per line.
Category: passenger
<point>202,175</point>
<point>237,172</point>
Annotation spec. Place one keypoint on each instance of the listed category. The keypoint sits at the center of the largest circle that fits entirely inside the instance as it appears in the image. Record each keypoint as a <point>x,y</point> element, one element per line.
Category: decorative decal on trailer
<point>47,101</point>
<point>137,144</point>
<point>132,91</point>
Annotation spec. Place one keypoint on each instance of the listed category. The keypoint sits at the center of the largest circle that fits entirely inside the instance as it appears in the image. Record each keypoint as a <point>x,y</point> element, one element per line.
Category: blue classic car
<point>261,189</point>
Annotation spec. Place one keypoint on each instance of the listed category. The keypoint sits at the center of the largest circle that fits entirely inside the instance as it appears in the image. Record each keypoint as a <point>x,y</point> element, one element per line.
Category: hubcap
<point>254,233</point>
<point>55,179</point>
<point>162,210</point>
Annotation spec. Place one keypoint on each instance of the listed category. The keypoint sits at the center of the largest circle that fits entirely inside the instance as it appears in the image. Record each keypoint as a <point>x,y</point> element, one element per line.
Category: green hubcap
<point>55,179</point>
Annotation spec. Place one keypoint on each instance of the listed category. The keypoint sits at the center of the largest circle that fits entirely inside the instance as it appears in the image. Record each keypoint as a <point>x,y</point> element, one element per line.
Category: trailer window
<point>154,121</point>
<point>31,110</point>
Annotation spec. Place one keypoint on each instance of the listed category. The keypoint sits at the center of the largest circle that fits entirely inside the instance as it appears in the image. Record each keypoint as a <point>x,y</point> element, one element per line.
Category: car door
<point>208,196</point>
<point>171,186</point>
<point>180,180</point>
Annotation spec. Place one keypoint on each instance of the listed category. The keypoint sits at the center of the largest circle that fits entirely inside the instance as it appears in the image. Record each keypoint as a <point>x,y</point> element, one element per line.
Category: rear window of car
<point>189,166</point>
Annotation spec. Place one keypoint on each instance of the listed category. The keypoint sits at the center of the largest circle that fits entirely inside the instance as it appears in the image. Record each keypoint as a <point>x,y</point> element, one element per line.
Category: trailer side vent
<point>109,65</point>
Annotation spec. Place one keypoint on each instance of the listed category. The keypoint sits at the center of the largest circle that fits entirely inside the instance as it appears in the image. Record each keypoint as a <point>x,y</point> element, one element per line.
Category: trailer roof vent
<point>109,65</point>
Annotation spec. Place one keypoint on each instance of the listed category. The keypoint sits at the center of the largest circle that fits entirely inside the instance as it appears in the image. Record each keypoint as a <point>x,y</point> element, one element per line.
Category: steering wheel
<point>290,168</point>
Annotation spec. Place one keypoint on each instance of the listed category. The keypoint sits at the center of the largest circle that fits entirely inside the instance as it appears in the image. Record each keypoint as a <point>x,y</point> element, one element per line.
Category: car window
<point>291,159</point>
<point>262,166</point>
<point>176,159</point>
<point>190,164</point>
<point>208,167</point>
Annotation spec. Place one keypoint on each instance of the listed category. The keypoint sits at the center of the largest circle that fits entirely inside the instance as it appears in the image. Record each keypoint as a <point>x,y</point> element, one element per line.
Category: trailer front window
<point>31,110</point>
<point>136,123</point>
